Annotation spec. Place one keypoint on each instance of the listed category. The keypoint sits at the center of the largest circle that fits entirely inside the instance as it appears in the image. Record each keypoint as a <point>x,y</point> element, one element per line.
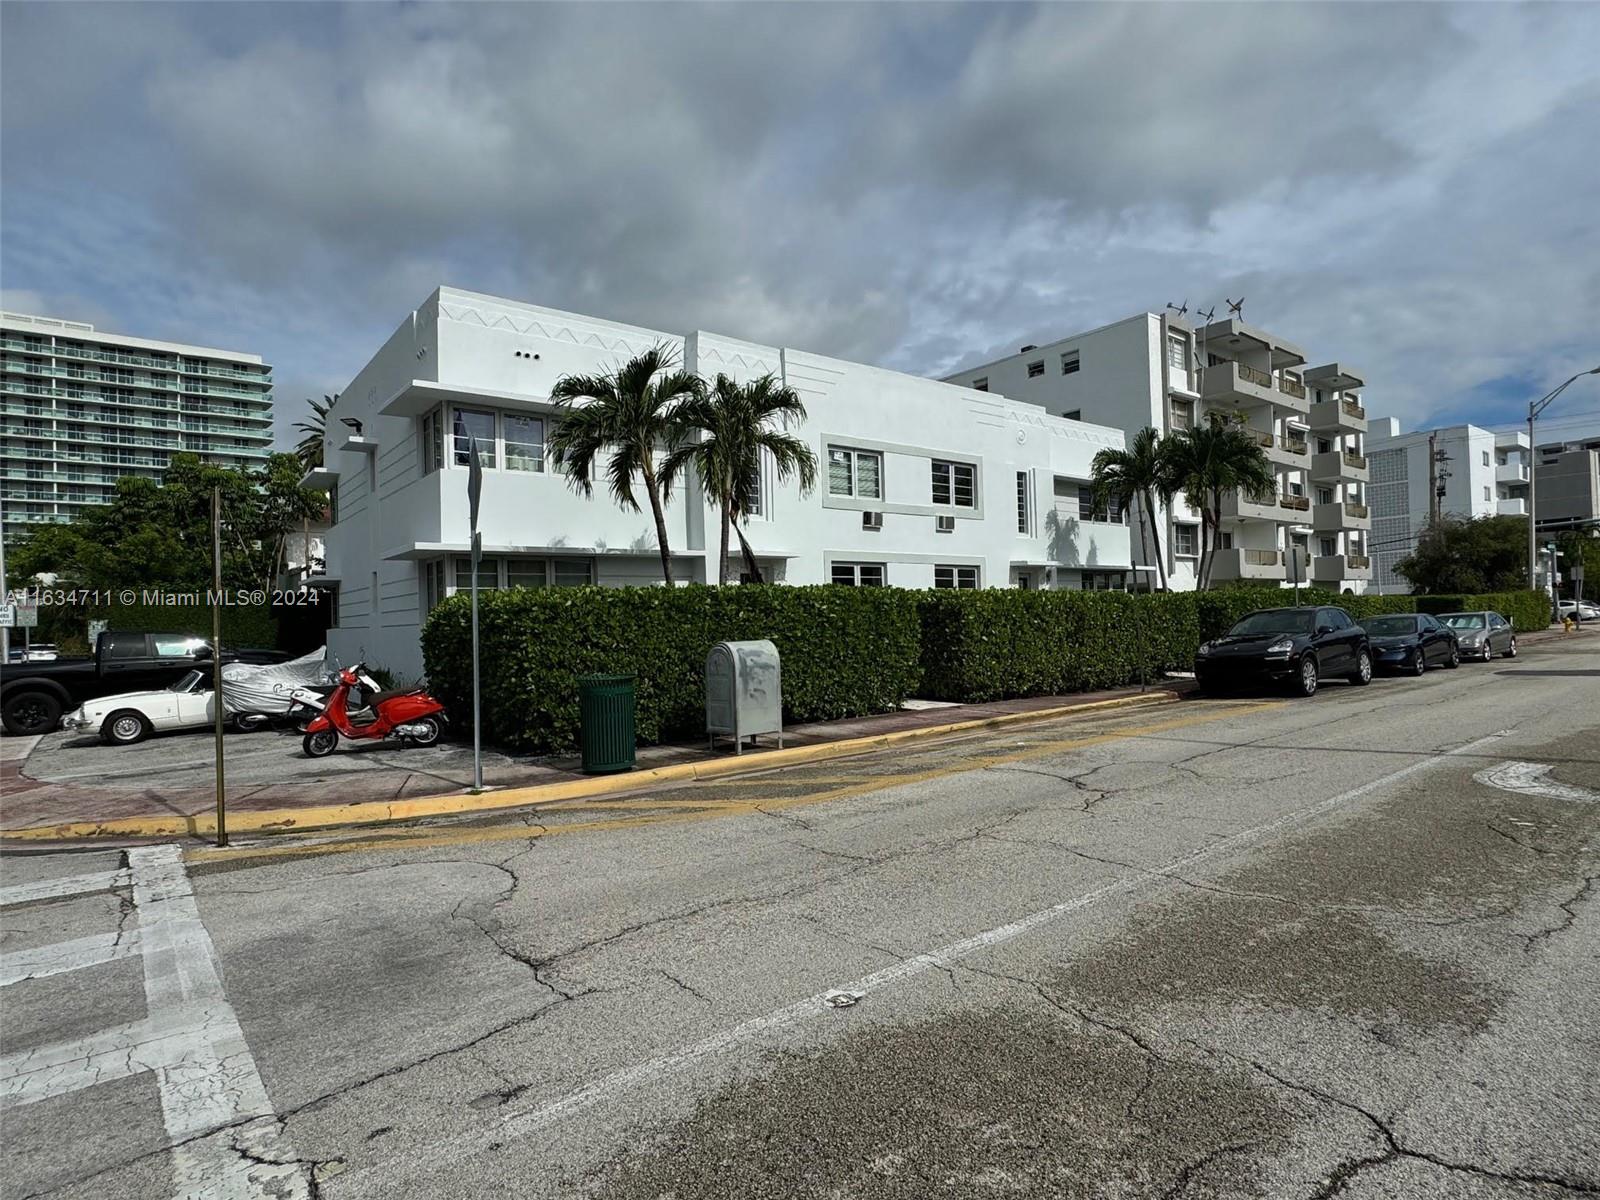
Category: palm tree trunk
<point>750,563</point>
<point>1144,543</point>
<point>722,557</point>
<point>654,491</point>
<point>1155,535</point>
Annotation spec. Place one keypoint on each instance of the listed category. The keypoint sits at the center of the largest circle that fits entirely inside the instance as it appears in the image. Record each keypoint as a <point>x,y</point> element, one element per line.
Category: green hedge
<point>1526,610</point>
<point>845,651</point>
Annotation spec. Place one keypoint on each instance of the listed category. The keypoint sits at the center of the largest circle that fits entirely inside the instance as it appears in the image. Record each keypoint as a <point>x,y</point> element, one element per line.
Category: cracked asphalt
<point>1212,949</point>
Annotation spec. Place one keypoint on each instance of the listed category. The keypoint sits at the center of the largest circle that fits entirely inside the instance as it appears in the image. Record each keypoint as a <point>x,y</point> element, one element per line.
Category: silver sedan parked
<point>1482,634</point>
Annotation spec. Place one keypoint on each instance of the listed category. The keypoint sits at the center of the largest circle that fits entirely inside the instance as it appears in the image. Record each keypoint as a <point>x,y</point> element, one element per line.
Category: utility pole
<point>216,655</point>
<point>1433,482</point>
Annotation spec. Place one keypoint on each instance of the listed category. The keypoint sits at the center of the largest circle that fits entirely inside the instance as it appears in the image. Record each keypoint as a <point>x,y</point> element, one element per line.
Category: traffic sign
<point>22,614</point>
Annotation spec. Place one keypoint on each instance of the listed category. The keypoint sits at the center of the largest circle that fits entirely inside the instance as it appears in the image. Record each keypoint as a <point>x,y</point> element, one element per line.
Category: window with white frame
<point>488,574</point>
<point>431,442</point>
<point>1024,503</point>
<point>469,425</point>
<point>1178,355</point>
<point>433,582</point>
<point>1486,458</point>
<point>856,473</point>
<point>955,577</point>
<point>1186,541</point>
<point>1069,363</point>
<point>858,574</point>
<point>1183,414</point>
<point>1486,493</point>
<point>1096,508</point>
<point>1036,369</point>
<point>1327,546</point>
<point>1225,539</point>
<point>954,484</point>
<point>1324,495</point>
<point>755,496</point>
<point>524,438</point>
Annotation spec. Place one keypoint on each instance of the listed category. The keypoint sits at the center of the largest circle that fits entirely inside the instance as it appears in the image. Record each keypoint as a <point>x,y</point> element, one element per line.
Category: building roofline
<point>1047,346</point>
<point>61,327</point>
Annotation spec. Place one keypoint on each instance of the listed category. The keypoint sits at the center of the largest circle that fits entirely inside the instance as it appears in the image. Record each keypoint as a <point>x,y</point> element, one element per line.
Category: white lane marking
<point>1529,779</point>
<point>40,962</point>
<point>521,1123</point>
<point>62,887</point>
<point>212,1081</point>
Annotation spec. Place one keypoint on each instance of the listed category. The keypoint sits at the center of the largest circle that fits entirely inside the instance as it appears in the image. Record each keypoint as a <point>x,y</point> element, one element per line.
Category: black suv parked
<point>1296,646</point>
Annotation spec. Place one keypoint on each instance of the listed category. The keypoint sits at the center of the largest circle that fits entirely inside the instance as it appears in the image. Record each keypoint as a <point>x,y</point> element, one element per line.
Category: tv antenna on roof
<point>1180,309</point>
<point>1236,307</point>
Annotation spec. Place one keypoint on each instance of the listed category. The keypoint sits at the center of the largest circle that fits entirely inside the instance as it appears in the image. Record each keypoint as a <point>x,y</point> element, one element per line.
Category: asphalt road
<point>1340,947</point>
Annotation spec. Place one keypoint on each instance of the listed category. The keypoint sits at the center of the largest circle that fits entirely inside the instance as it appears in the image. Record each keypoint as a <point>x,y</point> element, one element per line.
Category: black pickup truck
<point>33,695</point>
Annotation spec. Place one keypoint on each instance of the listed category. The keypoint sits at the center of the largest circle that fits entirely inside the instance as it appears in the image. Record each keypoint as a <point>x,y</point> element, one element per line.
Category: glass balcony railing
<point>1291,388</point>
<point>1358,511</point>
<point>1254,375</point>
<point>1294,445</point>
<point>1294,503</point>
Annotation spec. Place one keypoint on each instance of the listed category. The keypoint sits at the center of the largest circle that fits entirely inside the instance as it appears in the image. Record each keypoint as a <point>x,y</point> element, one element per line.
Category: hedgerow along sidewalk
<point>36,811</point>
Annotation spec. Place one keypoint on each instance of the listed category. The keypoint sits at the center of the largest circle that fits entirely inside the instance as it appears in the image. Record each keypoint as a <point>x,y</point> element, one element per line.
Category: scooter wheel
<point>429,738</point>
<point>320,744</point>
<point>251,722</point>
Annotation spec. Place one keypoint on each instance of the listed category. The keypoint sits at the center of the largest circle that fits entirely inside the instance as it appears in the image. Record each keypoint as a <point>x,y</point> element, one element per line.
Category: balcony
<point>1293,508</point>
<point>1236,384</point>
<point>1511,473</point>
<point>1340,515</point>
<point>1342,415</point>
<point>1242,508</point>
<point>1248,564</point>
<point>1335,568</point>
<point>1339,465</point>
<point>1511,508</point>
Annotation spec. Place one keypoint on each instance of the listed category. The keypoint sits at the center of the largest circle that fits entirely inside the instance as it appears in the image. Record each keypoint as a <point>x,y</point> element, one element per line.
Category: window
<point>1092,508</point>
<point>955,577</point>
<point>1324,495</point>
<point>1486,458</point>
<point>573,572</point>
<point>488,574</point>
<point>527,573</point>
<point>1486,493</point>
<point>1178,355</point>
<point>1069,363</point>
<point>1024,508</point>
<point>953,484</point>
<point>1327,547</point>
<point>981,385</point>
<point>175,645</point>
<point>433,583</point>
<point>1324,445</point>
<point>524,443</point>
<point>472,424</point>
<point>1186,541</point>
<point>1183,414</point>
<point>1225,539</point>
<point>1075,415</point>
<point>851,574</point>
<point>432,442</point>
<point>856,473</point>
<point>753,497</point>
<point>1036,369</point>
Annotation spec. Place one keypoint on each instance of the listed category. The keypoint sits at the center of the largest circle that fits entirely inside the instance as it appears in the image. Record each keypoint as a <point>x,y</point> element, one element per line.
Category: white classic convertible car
<point>134,716</point>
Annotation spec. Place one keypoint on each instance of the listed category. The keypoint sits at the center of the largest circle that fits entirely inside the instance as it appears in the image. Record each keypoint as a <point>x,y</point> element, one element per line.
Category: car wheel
<point>1511,651</point>
<point>431,724</point>
<point>1362,675</point>
<point>1454,660</point>
<point>1418,663</point>
<point>320,744</point>
<point>28,713</point>
<point>124,728</point>
<point>1306,681</point>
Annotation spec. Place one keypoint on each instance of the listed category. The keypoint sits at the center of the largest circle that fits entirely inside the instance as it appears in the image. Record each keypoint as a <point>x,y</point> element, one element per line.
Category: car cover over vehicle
<point>253,689</point>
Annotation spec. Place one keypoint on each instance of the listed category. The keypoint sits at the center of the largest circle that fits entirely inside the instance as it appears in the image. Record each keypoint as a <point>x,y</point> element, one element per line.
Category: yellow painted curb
<point>296,820</point>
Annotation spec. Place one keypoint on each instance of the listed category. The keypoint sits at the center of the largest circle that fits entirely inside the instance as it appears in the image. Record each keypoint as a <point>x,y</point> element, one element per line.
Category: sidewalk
<point>107,797</point>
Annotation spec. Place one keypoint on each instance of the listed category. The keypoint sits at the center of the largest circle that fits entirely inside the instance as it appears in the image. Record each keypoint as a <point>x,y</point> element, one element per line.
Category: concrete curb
<point>297,820</point>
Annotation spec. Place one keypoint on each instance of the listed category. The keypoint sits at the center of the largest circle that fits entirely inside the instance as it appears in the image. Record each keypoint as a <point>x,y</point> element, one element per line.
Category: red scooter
<point>411,716</point>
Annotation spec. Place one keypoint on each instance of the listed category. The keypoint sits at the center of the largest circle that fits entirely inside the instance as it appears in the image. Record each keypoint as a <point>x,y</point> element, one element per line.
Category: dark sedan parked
<point>1411,642</point>
<point>1296,646</point>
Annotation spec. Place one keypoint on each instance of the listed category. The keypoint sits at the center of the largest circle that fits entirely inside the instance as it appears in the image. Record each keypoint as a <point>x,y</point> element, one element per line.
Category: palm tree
<point>738,423</point>
<point>626,414</point>
<point>1133,478</point>
<point>1209,462</point>
<point>309,448</point>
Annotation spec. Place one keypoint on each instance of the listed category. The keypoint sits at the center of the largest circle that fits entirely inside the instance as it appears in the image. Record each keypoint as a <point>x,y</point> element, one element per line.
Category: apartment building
<point>1473,472</point>
<point>921,483</point>
<point>80,409</point>
<point>1568,484</point>
<point>1159,371</point>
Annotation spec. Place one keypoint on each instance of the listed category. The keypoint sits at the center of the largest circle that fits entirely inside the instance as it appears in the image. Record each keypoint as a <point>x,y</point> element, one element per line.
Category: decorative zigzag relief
<point>532,327</point>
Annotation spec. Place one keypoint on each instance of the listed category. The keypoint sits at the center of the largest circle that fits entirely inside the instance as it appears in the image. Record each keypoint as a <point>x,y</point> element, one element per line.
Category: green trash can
<point>605,711</point>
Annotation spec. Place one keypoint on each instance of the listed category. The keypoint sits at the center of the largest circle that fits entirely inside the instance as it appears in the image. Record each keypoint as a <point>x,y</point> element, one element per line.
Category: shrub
<point>845,652</point>
<point>1526,610</point>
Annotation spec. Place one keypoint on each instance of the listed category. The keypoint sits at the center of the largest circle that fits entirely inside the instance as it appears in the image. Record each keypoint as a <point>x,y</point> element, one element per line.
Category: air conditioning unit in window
<point>945,524</point>
<point>872,520</point>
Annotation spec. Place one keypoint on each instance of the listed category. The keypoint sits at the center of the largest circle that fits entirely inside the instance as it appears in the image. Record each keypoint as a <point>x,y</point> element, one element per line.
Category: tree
<point>626,416</point>
<point>1212,461</point>
<point>736,424</point>
<point>309,448</point>
<point>1488,554</point>
<point>1133,478</point>
<point>1580,546</point>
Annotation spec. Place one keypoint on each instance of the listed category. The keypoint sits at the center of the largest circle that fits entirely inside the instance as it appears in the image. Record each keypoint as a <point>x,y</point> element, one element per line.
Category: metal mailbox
<point>744,692</point>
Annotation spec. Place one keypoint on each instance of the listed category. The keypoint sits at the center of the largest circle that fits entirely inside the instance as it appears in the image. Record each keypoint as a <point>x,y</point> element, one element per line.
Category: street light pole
<point>1536,407</point>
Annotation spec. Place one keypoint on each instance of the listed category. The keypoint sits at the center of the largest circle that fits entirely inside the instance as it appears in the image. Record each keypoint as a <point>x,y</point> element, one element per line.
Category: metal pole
<point>5,592</point>
<point>1533,461</point>
<point>216,656</point>
<point>477,723</point>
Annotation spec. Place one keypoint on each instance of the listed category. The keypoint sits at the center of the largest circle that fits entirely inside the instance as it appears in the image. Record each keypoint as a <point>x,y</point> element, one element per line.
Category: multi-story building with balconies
<point>920,483</point>
<point>80,410</point>
<point>1156,370</point>
<point>1474,472</point>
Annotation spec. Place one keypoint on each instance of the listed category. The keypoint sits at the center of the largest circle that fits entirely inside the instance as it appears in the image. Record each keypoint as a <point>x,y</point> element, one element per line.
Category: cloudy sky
<point>1411,189</point>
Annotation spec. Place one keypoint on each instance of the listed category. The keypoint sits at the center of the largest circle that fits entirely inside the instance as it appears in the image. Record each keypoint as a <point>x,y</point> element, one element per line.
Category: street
<point>1345,946</point>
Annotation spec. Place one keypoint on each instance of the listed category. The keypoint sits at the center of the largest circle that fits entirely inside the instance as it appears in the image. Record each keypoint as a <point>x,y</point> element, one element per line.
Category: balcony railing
<point>1294,445</point>
<point>1356,461</point>
<point>1296,503</point>
<point>1261,439</point>
<point>1290,388</point>
<point>1351,409</point>
<point>1358,562</point>
<point>1254,375</point>
<point>1358,511</point>
<point>1263,558</point>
